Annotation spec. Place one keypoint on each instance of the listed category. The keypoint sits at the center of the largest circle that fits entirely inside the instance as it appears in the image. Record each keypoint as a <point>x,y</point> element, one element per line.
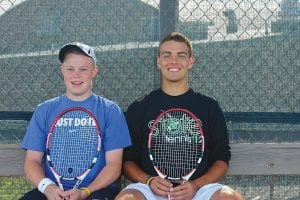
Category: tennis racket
<point>176,144</point>
<point>73,145</point>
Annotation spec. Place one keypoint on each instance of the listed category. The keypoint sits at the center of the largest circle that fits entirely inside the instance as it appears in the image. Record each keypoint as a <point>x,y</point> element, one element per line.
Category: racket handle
<point>61,186</point>
<point>76,186</point>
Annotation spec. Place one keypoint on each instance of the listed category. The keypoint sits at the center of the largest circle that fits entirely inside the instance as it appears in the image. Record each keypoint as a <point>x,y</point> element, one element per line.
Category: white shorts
<point>204,193</point>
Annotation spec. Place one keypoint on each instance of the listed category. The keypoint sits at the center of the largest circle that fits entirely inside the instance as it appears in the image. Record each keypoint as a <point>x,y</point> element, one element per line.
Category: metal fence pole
<point>168,18</point>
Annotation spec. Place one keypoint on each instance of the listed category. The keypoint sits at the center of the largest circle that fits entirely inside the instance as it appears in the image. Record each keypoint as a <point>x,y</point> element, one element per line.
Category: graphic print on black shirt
<point>176,144</point>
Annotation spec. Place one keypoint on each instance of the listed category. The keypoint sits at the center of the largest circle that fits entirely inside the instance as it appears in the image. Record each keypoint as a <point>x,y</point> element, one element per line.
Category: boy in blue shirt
<point>78,69</point>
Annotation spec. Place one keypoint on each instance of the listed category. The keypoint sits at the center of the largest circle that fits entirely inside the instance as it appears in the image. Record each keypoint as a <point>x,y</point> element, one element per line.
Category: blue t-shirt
<point>113,129</point>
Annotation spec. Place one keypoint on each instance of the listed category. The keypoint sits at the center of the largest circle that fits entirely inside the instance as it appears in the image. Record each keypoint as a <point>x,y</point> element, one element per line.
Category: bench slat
<point>11,160</point>
<point>265,159</point>
<point>247,159</point>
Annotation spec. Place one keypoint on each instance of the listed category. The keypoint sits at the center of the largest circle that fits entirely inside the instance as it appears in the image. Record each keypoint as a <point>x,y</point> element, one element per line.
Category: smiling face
<point>78,71</point>
<point>174,62</point>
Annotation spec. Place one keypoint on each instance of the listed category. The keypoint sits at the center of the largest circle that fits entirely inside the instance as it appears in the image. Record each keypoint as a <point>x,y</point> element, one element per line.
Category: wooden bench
<point>247,159</point>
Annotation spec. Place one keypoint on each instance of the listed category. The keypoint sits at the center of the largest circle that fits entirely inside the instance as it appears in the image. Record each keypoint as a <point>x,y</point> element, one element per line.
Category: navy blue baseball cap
<point>86,49</point>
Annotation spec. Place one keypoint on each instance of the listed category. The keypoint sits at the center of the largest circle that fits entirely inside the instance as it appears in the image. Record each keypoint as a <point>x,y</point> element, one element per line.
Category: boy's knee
<point>129,194</point>
<point>227,193</point>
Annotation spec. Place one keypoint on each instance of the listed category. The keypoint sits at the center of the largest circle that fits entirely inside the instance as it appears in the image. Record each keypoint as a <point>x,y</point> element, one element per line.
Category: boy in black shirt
<point>174,60</point>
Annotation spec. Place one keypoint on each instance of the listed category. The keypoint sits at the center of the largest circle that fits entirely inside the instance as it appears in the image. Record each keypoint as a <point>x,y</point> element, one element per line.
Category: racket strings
<point>73,144</point>
<point>176,144</point>
<point>176,160</point>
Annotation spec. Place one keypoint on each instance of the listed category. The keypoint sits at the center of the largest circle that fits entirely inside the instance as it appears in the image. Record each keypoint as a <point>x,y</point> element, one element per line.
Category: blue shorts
<point>204,193</point>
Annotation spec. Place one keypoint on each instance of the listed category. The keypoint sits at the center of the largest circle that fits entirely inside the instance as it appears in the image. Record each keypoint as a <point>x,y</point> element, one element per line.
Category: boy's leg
<point>137,191</point>
<point>33,194</point>
<point>104,194</point>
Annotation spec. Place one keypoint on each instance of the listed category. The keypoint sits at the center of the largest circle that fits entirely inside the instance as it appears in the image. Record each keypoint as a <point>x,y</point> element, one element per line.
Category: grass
<point>12,188</point>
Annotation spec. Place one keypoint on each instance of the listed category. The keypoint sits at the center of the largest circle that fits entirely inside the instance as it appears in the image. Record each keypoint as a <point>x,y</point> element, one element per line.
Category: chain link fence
<point>247,57</point>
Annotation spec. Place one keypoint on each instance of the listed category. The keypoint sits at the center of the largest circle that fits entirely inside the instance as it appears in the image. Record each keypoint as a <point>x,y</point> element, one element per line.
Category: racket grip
<point>61,186</point>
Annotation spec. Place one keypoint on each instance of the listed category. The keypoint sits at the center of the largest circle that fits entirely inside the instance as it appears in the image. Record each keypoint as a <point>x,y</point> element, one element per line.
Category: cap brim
<point>66,48</point>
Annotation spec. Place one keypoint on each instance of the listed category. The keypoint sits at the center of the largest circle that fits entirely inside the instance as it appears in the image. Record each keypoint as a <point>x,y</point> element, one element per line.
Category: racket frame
<point>81,177</point>
<point>187,176</point>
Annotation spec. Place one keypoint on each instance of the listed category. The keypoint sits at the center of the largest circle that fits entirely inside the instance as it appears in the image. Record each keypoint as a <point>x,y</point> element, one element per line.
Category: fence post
<point>168,18</point>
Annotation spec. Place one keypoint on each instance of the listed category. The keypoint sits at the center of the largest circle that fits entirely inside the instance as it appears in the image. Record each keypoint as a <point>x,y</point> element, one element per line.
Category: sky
<point>7,4</point>
<point>191,9</point>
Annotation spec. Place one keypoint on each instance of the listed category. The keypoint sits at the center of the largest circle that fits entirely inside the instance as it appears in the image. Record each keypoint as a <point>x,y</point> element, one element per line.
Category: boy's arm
<point>33,166</point>
<point>214,174</point>
<point>134,173</point>
<point>34,171</point>
<point>111,172</point>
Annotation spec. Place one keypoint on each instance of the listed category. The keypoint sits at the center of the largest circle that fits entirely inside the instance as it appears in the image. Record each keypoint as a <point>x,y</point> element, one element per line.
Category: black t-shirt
<point>141,114</point>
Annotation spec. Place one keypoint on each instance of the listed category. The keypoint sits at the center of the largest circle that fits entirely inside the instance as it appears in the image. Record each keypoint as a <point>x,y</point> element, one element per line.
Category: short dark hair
<point>178,37</point>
